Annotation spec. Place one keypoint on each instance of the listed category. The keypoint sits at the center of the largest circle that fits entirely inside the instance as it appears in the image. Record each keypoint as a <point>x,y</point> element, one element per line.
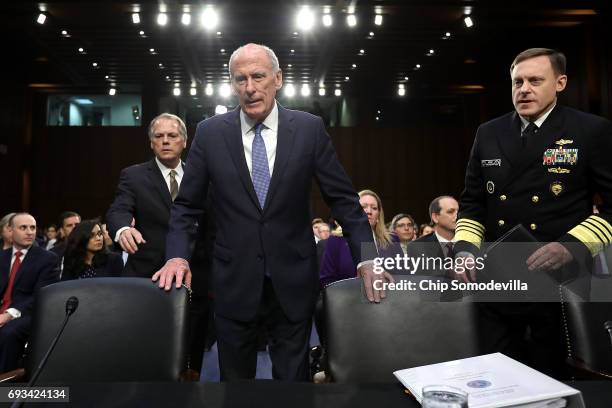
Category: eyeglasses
<point>402,225</point>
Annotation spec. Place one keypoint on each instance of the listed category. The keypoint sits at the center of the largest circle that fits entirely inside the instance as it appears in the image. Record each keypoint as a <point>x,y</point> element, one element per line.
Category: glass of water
<point>444,396</point>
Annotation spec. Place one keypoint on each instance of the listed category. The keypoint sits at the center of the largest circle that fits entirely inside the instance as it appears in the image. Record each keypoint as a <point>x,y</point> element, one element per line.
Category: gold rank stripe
<point>470,231</point>
<point>594,232</point>
<point>601,225</point>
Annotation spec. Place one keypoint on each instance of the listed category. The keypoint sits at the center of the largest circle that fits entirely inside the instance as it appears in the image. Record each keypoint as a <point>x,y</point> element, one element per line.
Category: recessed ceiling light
<point>81,50</point>
<point>112,91</point>
<point>135,18</point>
<point>142,33</point>
<point>362,51</point>
<point>41,18</point>
<point>162,19</point>
<point>354,66</point>
<point>186,19</point>
<point>327,20</point>
<point>351,20</point>
<point>378,19</point>
<point>106,76</point>
<point>371,33</point>
<point>94,64</point>
<point>346,78</point>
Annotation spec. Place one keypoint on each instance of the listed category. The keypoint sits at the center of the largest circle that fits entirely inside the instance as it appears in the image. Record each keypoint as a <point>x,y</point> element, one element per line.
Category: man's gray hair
<point>271,56</point>
<point>181,125</point>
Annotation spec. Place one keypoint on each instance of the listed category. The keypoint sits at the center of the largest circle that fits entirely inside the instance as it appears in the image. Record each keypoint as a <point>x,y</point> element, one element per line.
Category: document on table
<point>491,380</point>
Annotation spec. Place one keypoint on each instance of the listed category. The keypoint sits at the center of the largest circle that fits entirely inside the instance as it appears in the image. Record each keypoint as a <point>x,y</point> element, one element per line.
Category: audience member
<point>86,256</point>
<point>51,235</point>
<point>24,269</point>
<point>443,214</point>
<point>337,263</point>
<point>402,230</point>
<point>5,229</point>
<point>425,229</point>
<point>67,221</point>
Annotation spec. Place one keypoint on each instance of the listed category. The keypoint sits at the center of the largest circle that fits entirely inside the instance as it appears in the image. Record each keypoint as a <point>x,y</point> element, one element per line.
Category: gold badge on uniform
<point>562,142</point>
<point>490,187</point>
<point>559,170</point>
<point>556,188</point>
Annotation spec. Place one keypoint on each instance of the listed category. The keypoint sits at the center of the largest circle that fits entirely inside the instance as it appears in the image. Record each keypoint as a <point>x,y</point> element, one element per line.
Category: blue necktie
<point>260,168</point>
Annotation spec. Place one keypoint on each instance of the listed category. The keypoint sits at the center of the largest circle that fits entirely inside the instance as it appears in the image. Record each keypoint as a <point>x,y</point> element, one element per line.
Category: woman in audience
<point>337,261</point>
<point>425,229</point>
<point>6,239</point>
<point>403,230</point>
<point>86,255</point>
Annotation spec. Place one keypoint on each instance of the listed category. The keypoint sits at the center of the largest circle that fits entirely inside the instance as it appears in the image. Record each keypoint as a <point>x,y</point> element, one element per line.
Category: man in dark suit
<point>259,161</point>
<point>24,269</point>
<point>138,218</point>
<point>539,166</point>
<point>438,245</point>
<point>67,221</point>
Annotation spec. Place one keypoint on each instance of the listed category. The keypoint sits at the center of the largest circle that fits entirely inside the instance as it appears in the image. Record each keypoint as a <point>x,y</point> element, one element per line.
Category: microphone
<point>71,306</point>
<point>608,328</point>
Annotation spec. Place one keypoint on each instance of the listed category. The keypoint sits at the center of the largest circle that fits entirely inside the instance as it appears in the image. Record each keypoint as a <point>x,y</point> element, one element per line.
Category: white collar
<point>271,121</point>
<point>441,239</point>
<point>23,252</point>
<point>539,121</point>
<point>166,170</point>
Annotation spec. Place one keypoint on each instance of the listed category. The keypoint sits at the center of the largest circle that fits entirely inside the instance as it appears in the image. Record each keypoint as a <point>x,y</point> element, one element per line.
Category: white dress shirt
<point>269,135</point>
<point>11,310</point>
<point>538,122</point>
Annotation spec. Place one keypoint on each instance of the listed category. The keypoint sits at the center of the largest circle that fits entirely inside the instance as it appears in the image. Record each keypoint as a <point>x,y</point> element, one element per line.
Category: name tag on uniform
<point>491,163</point>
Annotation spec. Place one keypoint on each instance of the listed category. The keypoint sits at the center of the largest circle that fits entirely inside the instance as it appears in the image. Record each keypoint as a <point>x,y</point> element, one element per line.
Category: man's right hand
<point>464,274</point>
<point>174,269</point>
<point>130,239</point>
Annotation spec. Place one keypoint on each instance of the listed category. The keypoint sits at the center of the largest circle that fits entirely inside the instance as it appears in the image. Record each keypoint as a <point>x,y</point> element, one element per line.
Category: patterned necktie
<point>8,293</point>
<point>173,185</point>
<point>260,168</point>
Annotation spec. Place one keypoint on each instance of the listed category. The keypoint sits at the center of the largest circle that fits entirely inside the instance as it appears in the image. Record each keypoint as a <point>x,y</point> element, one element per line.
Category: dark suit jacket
<point>142,194</point>
<point>278,239</point>
<point>38,269</point>
<point>427,246</point>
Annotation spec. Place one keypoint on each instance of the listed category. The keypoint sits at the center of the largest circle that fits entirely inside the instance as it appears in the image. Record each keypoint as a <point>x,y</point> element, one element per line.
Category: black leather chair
<point>124,329</point>
<point>588,342</point>
<point>367,342</point>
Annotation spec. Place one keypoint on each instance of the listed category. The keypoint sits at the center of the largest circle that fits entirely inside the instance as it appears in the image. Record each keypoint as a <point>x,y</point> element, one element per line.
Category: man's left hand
<point>550,257</point>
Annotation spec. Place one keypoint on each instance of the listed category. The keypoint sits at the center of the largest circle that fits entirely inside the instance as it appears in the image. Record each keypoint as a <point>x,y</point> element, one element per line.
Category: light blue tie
<point>260,168</point>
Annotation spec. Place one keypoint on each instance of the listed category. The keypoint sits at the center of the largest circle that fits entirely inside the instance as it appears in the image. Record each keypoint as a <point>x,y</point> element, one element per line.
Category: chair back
<point>124,329</point>
<point>367,342</point>
<point>588,342</point>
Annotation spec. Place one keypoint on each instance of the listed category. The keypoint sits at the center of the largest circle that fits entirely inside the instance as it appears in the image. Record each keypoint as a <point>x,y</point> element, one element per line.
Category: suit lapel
<point>284,145</point>
<point>233,139</point>
<point>157,180</point>
<point>536,145</point>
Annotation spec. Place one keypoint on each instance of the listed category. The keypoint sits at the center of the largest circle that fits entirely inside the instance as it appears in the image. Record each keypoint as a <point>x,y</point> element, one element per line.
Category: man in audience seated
<point>24,269</point>
<point>443,213</point>
<point>67,221</point>
<point>138,218</point>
